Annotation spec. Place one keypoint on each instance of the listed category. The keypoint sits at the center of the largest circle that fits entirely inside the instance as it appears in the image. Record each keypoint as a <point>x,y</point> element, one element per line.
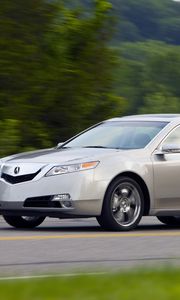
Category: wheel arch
<point>142,184</point>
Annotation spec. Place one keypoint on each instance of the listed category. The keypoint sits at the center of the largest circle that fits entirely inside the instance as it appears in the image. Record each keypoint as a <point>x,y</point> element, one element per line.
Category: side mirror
<point>59,145</point>
<point>170,148</point>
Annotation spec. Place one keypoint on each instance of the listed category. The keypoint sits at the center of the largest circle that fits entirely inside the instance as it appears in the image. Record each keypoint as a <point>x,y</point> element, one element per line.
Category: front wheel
<point>23,221</point>
<point>123,205</point>
<point>170,220</point>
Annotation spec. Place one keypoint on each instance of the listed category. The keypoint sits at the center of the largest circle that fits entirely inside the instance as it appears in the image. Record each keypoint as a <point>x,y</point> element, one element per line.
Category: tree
<point>149,76</point>
<point>169,30</point>
<point>56,68</point>
<point>160,102</point>
<point>82,89</point>
<point>23,26</point>
<point>141,20</point>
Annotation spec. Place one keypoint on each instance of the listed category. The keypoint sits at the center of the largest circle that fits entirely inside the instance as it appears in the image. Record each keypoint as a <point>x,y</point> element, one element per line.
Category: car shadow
<point>90,228</point>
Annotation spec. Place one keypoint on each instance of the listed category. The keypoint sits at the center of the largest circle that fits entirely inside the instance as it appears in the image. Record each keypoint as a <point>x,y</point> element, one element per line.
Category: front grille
<point>44,201</point>
<point>18,179</point>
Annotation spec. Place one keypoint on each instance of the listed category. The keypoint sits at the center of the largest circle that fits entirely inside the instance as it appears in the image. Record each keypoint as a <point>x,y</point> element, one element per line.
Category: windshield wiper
<point>102,147</point>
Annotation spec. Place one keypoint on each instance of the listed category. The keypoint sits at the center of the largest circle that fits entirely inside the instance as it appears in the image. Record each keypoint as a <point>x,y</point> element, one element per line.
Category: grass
<point>141,284</point>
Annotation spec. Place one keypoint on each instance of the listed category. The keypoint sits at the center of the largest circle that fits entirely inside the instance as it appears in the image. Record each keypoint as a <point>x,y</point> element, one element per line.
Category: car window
<point>173,137</point>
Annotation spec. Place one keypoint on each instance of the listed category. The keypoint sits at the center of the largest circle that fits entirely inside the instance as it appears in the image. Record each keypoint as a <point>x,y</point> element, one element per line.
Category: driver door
<point>166,166</point>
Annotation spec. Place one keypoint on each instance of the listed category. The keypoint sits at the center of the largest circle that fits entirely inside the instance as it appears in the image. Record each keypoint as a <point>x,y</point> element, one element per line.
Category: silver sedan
<point>117,171</point>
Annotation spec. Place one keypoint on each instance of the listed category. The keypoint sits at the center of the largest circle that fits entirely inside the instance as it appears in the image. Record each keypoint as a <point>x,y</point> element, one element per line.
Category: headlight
<point>58,170</point>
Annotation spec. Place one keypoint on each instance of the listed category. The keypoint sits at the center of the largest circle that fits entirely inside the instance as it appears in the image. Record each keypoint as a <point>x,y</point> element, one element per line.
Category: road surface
<point>66,246</point>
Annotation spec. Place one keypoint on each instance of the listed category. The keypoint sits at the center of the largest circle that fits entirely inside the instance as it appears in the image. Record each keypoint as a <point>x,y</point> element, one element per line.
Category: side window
<point>173,137</point>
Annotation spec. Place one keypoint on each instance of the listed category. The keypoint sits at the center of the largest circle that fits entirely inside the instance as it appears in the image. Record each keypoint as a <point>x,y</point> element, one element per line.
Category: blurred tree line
<point>55,71</point>
<point>149,77</point>
<point>65,65</point>
<point>139,20</point>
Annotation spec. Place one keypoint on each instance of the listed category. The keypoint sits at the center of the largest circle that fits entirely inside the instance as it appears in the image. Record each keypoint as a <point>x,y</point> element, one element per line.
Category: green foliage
<point>149,77</point>
<point>56,68</point>
<point>152,19</point>
<point>22,58</point>
<point>9,136</point>
<point>59,72</point>
<point>81,91</point>
<point>160,102</point>
<point>169,30</point>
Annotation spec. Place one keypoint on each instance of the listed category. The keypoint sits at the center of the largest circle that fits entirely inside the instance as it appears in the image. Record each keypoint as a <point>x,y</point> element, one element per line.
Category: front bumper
<point>87,208</point>
<point>86,195</point>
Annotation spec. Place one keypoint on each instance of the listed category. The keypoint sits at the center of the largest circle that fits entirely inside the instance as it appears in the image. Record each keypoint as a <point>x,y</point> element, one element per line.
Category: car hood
<point>60,156</point>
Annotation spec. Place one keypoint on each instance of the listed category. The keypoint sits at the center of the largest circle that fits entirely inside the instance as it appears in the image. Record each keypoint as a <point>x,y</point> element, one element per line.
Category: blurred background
<point>65,65</point>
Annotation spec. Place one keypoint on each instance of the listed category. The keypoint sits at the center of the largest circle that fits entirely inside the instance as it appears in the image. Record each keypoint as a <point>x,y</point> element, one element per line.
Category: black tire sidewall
<point>20,222</point>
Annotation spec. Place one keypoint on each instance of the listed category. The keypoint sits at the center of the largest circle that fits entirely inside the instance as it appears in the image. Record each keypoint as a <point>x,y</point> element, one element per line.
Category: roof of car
<point>148,117</point>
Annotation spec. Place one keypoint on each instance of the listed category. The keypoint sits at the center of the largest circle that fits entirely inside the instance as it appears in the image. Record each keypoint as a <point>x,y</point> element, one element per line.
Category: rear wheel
<point>123,205</point>
<point>170,220</point>
<point>24,221</point>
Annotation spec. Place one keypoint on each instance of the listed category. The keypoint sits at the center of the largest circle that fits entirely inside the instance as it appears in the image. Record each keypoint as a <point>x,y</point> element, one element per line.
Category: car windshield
<point>118,135</point>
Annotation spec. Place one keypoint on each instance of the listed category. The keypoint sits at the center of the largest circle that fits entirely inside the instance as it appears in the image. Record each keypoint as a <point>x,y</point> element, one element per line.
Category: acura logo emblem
<point>16,170</point>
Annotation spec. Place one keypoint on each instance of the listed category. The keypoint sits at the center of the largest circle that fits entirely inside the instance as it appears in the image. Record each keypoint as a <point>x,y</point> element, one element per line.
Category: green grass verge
<point>162,284</point>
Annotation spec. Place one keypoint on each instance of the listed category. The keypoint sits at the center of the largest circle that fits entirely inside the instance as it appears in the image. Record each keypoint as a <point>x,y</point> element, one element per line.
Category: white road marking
<point>28,277</point>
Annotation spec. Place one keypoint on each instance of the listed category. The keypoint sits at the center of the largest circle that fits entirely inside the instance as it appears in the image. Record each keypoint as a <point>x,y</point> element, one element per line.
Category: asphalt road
<point>66,246</point>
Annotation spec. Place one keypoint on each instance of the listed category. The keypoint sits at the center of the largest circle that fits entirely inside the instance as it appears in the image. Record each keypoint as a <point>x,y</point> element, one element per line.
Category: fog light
<point>63,199</point>
<point>60,197</point>
<point>66,204</point>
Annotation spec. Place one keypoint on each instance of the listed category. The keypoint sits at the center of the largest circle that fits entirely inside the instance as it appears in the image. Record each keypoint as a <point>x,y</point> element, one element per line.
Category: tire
<point>170,220</point>
<point>123,205</point>
<point>23,222</point>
